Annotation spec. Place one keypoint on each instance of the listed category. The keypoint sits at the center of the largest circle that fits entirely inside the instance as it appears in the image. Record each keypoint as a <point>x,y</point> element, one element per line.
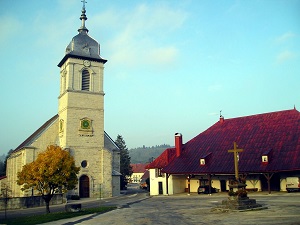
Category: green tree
<point>125,168</point>
<point>53,171</point>
<point>3,164</point>
<point>2,169</point>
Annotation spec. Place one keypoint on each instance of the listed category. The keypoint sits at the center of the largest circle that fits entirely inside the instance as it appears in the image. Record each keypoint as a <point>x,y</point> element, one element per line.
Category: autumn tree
<point>125,168</point>
<point>53,171</point>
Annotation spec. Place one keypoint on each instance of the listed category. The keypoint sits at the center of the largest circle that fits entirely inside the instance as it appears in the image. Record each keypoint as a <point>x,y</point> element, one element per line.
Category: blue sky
<point>172,65</point>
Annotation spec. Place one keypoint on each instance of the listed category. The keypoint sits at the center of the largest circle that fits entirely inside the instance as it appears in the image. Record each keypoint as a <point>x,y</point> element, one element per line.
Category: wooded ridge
<point>146,154</point>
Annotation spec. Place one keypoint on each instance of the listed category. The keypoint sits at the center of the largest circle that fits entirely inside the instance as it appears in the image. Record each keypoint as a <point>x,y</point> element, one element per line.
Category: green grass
<point>37,219</point>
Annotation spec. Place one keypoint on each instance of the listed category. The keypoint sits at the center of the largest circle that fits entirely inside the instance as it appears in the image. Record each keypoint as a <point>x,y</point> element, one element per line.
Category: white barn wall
<point>179,184</point>
<point>194,184</point>
<point>216,184</point>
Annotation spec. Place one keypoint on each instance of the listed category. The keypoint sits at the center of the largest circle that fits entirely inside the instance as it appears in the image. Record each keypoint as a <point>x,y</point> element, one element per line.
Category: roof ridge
<point>261,114</point>
<point>37,132</point>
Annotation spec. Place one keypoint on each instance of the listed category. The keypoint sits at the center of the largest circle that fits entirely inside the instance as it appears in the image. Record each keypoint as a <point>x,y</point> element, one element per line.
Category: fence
<point>30,202</point>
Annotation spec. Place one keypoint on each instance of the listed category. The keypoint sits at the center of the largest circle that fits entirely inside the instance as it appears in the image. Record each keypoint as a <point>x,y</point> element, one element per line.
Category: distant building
<point>138,171</point>
<point>79,125</point>
<point>271,153</point>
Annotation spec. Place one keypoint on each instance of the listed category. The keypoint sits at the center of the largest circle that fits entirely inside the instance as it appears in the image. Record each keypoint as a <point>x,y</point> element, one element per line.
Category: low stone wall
<point>30,202</point>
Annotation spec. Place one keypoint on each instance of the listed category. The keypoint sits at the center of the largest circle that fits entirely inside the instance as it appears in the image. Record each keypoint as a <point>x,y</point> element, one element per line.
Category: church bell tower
<point>81,110</point>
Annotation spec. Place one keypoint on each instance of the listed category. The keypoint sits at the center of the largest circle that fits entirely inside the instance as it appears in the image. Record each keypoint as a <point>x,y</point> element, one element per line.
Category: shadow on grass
<point>45,218</point>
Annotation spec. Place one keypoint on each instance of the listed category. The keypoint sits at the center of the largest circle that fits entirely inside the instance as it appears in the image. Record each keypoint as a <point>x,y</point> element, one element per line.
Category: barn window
<point>202,162</point>
<point>264,158</point>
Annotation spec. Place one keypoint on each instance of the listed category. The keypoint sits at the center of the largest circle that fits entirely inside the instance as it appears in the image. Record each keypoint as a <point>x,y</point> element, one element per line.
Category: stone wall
<point>30,202</point>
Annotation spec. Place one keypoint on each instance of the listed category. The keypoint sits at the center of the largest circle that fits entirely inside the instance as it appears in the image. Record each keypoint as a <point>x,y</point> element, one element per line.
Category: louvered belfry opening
<point>85,84</point>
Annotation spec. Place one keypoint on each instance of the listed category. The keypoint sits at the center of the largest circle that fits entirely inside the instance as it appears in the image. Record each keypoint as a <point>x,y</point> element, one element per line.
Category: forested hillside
<point>146,154</point>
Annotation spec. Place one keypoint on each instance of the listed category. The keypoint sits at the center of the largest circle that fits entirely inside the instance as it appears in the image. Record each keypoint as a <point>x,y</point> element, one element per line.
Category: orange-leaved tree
<point>53,171</point>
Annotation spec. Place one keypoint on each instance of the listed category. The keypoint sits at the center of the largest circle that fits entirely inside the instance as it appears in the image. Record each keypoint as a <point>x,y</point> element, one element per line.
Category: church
<point>267,147</point>
<point>79,125</point>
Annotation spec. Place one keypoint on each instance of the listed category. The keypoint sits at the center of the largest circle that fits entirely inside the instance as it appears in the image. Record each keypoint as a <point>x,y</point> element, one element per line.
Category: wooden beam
<point>268,176</point>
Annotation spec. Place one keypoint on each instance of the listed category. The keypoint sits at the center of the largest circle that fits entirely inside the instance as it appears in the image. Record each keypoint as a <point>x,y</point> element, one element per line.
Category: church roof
<point>275,134</point>
<point>83,46</point>
<point>108,142</point>
<point>37,133</point>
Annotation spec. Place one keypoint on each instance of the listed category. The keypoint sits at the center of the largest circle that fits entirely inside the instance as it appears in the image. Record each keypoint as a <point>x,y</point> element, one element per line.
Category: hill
<point>146,154</point>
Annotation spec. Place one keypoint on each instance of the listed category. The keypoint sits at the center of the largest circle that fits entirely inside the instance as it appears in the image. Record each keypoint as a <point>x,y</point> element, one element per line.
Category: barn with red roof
<point>271,153</point>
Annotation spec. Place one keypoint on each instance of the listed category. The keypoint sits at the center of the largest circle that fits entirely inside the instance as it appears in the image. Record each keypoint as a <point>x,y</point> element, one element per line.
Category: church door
<point>84,187</point>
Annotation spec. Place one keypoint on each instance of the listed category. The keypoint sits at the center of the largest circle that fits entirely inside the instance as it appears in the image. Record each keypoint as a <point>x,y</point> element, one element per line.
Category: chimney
<point>222,119</point>
<point>178,144</point>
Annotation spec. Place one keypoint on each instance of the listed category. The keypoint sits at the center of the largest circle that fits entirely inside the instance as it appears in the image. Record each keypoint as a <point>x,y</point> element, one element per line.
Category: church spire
<point>83,18</point>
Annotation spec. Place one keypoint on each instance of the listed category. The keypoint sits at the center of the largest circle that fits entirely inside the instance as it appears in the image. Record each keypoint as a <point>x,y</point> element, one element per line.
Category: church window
<point>61,125</point>
<point>84,164</point>
<point>85,82</point>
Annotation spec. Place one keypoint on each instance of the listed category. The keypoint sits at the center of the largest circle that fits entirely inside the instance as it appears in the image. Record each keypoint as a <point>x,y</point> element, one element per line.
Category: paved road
<point>138,208</point>
<point>194,209</point>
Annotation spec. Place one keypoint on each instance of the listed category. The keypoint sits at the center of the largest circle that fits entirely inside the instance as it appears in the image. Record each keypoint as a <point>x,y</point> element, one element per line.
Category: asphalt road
<point>138,208</point>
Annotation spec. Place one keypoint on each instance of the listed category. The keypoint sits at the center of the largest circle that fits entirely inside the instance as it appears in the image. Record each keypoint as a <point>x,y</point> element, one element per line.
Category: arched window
<point>85,82</point>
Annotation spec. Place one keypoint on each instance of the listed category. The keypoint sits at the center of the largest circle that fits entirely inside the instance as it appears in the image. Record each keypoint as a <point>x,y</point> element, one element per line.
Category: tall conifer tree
<point>125,168</point>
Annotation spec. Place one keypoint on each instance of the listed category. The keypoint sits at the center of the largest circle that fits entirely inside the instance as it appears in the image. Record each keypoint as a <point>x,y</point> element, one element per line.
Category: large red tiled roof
<point>138,168</point>
<point>164,159</point>
<point>276,134</point>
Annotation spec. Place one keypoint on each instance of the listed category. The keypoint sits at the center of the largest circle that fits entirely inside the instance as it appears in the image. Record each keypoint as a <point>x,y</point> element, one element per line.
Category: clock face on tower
<point>85,124</point>
<point>86,63</point>
<point>85,127</point>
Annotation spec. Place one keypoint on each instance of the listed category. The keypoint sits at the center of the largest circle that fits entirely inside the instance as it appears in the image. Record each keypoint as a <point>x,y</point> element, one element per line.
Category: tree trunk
<point>47,207</point>
<point>47,199</point>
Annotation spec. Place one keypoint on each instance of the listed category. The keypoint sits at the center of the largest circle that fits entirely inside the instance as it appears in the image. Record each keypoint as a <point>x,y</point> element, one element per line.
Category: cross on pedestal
<point>235,151</point>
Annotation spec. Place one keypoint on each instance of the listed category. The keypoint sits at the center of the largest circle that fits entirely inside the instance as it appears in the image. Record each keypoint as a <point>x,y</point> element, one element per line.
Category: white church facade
<point>79,125</point>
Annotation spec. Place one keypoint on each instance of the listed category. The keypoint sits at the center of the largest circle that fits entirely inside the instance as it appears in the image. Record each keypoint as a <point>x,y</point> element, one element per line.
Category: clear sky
<point>172,65</point>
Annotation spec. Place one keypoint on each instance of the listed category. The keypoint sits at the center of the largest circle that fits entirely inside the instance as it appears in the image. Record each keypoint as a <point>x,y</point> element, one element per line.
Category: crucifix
<point>83,1</point>
<point>235,151</point>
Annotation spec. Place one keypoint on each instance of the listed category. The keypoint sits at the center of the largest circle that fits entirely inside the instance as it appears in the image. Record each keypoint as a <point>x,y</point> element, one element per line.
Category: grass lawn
<point>37,219</point>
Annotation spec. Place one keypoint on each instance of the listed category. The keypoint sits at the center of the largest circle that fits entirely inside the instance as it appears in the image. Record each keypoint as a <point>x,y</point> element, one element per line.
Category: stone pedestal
<point>239,203</point>
<point>238,199</point>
